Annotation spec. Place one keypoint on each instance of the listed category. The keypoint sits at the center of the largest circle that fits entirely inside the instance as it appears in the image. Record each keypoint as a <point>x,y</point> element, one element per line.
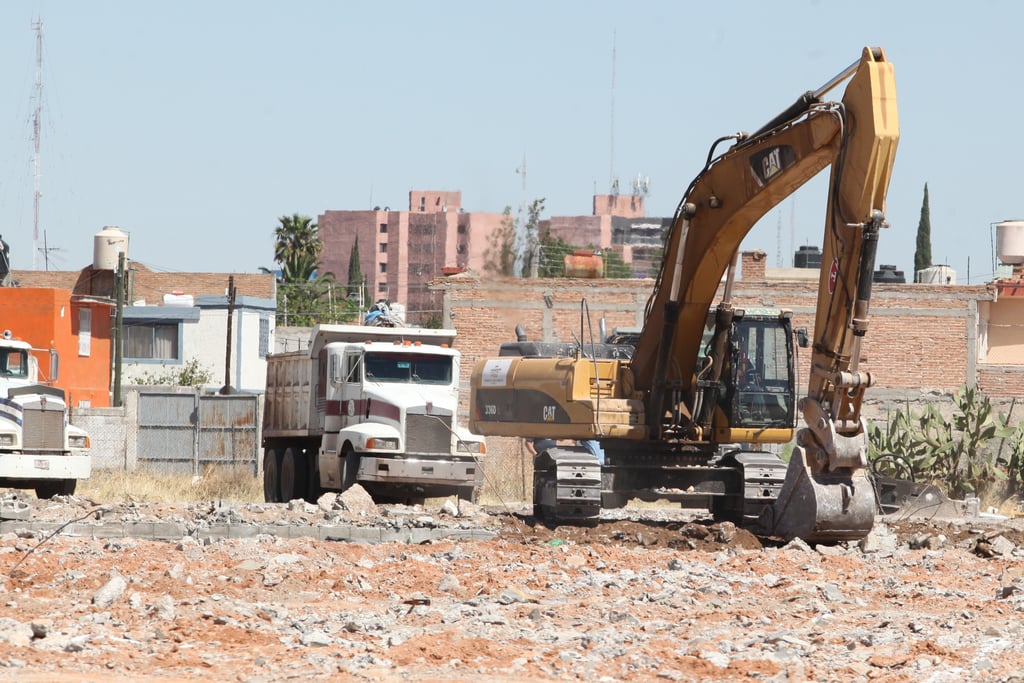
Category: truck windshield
<point>409,368</point>
<point>13,363</point>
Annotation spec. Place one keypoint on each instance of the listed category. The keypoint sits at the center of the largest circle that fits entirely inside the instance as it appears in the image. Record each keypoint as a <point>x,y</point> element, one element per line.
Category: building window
<point>383,267</point>
<point>151,341</point>
<point>84,331</point>
<point>382,288</point>
<point>423,203</point>
<point>383,228</point>
<point>264,337</point>
<point>383,247</point>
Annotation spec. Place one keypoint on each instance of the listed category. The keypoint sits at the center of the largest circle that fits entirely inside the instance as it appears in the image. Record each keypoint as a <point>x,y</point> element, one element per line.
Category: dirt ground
<point>645,596</point>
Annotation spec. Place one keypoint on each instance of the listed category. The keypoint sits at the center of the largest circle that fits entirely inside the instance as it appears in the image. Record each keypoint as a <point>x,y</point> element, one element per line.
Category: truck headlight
<point>476,447</point>
<point>78,441</point>
<point>8,440</point>
<point>378,443</point>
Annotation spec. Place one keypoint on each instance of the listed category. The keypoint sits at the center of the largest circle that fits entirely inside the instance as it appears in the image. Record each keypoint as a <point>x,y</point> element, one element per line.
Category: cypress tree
<point>923,253</point>
<point>355,273</point>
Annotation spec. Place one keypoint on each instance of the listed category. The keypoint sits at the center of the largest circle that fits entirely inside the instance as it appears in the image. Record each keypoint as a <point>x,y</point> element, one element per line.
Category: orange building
<point>78,328</point>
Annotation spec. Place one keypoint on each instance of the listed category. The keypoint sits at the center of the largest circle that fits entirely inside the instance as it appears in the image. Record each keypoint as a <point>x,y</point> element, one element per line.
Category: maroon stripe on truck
<point>385,410</point>
<point>377,409</point>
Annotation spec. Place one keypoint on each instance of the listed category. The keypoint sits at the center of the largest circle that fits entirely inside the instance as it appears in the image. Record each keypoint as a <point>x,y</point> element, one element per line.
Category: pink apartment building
<point>400,252</point>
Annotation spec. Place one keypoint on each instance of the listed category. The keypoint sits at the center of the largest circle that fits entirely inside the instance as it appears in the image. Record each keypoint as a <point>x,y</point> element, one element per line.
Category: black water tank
<point>807,257</point>
<point>889,275</point>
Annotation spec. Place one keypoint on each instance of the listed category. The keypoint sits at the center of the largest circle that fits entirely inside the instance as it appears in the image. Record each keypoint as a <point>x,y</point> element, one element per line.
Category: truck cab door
<point>350,389</point>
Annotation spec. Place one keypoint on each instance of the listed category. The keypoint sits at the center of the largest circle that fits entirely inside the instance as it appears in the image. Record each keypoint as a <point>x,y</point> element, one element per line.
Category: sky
<point>194,125</point>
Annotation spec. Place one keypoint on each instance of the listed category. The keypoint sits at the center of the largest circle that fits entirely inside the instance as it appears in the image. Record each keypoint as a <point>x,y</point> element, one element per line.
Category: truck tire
<point>349,468</point>
<point>293,475</point>
<point>313,488</point>
<point>272,475</point>
<point>55,487</point>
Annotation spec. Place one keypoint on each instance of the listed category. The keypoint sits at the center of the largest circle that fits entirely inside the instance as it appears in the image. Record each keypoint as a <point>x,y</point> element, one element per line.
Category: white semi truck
<point>39,448</point>
<point>373,405</point>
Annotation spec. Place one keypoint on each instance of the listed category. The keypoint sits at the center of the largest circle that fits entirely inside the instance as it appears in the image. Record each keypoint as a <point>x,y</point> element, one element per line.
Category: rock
<point>449,583</point>
<point>111,591</point>
<point>725,532</point>
<point>798,544</point>
<point>327,501</point>
<point>831,593</point>
<point>357,501</point>
<point>15,632</point>
<point>511,595</point>
<point>316,639</point>
<point>450,508</point>
<point>163,608</point>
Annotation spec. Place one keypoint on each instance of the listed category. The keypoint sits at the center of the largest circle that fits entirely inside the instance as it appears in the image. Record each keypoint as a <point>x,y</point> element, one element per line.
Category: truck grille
<point>43,429</point>
<point>428,434</point>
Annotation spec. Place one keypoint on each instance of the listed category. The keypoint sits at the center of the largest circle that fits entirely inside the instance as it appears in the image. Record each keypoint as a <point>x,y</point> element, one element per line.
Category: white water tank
<point>107,244</point>
<point>937,275</point>
<point>178,298</point>
<point>1010,242</point>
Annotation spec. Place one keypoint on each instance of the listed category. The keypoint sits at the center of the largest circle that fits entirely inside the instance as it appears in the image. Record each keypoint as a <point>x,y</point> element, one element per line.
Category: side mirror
<point>802,340</point>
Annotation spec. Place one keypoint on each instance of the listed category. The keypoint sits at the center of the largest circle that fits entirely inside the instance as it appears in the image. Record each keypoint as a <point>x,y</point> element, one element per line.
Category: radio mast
<point>37,26</point>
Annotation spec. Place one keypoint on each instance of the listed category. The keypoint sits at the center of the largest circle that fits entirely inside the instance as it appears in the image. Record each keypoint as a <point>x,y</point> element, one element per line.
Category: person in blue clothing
<point>594,446</point>
<point>537,446</point>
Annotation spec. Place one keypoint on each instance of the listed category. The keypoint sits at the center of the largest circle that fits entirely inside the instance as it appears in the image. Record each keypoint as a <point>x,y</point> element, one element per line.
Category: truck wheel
<point>349,468</point>
<point>272,475</point>
<point>470,493</point>
<point>57,487</point>
<point>293,475</point>
<point>313,488</point>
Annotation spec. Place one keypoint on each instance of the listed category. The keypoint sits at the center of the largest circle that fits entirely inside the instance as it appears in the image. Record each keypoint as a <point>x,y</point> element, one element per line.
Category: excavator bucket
<point>822,507</point>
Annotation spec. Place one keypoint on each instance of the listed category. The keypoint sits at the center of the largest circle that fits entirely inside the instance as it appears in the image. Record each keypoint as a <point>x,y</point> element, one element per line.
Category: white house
<point>192,334</point>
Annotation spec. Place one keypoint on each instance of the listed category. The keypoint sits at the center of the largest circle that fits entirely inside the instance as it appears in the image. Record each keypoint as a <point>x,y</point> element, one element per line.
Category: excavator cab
<point>760,366</point>
<point>754,392</point>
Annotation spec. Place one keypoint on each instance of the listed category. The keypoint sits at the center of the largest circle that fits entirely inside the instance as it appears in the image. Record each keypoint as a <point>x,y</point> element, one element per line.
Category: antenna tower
<point>611,156</point>
<point>37,26</point>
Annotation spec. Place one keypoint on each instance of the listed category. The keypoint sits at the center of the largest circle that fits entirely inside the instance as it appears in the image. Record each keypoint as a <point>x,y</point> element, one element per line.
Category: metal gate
<point>183,433</point>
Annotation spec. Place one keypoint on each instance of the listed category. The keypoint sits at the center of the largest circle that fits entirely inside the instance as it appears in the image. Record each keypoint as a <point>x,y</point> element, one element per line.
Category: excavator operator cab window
<point>761,382</point>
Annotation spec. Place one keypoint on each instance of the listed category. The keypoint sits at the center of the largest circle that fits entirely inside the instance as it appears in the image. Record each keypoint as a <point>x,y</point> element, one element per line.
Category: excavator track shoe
<point>567,487</point>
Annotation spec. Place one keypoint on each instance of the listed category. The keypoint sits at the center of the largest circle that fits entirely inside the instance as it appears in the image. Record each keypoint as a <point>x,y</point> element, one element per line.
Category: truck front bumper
<point>44,466</point>
<point>420,469</point>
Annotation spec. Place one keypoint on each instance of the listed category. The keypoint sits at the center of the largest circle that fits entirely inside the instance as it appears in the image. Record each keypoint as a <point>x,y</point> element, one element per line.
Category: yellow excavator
<point>684,418</point>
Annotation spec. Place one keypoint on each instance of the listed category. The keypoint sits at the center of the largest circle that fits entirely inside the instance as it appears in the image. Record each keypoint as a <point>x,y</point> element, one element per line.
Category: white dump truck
<point>39,448</point>
<point>373,405</point>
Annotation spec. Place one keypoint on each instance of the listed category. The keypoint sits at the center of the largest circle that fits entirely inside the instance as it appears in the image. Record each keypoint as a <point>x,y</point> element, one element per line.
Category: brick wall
<point>919,342</point>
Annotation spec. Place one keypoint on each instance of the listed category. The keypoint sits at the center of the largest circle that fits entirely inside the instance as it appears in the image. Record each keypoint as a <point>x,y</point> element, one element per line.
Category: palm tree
<point>297,248</point>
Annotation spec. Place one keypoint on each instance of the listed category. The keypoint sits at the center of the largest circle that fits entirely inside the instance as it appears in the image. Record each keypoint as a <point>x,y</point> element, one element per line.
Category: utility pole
<point>231,315</point>
<point>37,26</point>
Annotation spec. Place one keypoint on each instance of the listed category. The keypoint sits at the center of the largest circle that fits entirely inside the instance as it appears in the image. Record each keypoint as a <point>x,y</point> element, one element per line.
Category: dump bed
<point>289,408</point>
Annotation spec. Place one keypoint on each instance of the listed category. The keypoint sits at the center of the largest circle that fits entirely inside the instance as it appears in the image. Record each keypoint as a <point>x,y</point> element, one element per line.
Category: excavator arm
<point>826,494</point>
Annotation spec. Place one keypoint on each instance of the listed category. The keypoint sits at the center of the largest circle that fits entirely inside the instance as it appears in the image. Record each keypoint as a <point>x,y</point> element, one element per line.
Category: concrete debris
<point>624,600</point>
<point>111,591</point>
<point>357,500</point>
